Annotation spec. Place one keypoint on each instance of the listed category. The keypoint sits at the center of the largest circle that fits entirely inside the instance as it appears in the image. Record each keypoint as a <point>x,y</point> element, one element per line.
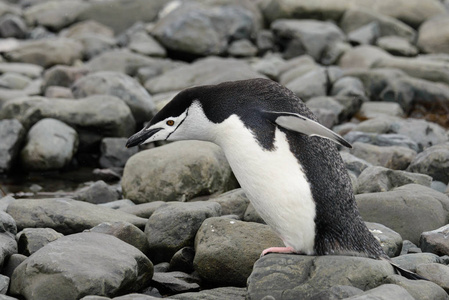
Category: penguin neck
<point>274,182</point>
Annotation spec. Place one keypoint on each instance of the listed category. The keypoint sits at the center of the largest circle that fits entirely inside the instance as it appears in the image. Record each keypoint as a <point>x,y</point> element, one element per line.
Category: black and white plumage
<point>285,161</point>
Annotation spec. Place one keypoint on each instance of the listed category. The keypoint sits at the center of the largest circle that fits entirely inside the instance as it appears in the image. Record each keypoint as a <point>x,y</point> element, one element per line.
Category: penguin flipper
<point>298,123</point>
<point>406,273</point>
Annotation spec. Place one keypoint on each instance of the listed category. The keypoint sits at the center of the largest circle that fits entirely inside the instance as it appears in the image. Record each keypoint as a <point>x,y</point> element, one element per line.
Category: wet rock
<point>200,169</point>
<point>50,144</point>
<point>384,292</point>
<point>379,179</point>
<point>392,157</point>
<point>120,85</point>
<point>125,61</point>
<point>182,260</point>
<point>144,210</point>
<point>284,276</point>
<point>145,44</point>
<point>242,48</point>
<point>114,153</point>
<point>64,215</point>
<point>63,76</point>
<point>12,26</point>
<point>233,202</point>
<point>390,240</point>
<point>388,139</point>
<point>365,35</point>
<point>53,14</point>
<point>12,135</point>
<point>357,17</point>
<point>198,29</point>
<point>399,209</point>
<point>419,289</point>
<point>8,244</point>
<point>435,241</point>
<point>312,37</point>
<point>436,273</point>
<point>312,84</point>
<point>434,35</point>
<point>96,193</point>
<point>226,249</point>
<point>46,53</point>
<point>119,269</point>
<point>201,72</point>
<point>107,114</point>
<point>175,282</point>
<point>433,161</point>
<point>184,220</point>
<point>221,293</point>
<point>29,240</point>
<point>126,232</point>
<point>397,46</point>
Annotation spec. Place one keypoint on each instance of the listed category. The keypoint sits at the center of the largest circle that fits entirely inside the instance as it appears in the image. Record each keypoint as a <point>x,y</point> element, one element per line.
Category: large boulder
<point>12,135</point>
<point>434,35</point>
<point>65,215</point>
<point>8,230</point>
<point>178,171</point>
<point>82,264</point>
<point>399,209</point>
<point>50,145</point>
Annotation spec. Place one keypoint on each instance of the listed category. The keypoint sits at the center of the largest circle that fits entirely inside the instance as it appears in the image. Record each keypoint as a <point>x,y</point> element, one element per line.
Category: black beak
<point>140,137</point>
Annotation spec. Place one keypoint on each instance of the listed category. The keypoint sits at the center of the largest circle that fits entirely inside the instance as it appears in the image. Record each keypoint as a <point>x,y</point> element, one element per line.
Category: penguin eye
<point>170,122</point>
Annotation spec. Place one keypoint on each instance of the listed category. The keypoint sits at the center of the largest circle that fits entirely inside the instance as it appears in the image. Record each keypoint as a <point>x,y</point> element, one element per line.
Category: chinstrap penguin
<point>285,161</point>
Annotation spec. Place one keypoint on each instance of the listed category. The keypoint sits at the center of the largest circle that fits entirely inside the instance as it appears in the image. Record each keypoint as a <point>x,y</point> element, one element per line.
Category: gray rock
<point>4,283</point>
<point>118,204</point>
<point>363,56</point>
<point>114,153</point>
<point>125,61</point>
<point>199,29</point>
<point>399,209</point>
<point>419,289</point>
<point>297,37</point>
<point>393,157</point>
<point>184,220</point>
<point>374,109</point>
<point>269,65</point>
<point>300,277</point>
<point>434,35</point>
<point>353,163</point>
<point>348,86</point>
<point>328,103</point>
<point>433,161</point>
<point>365,35</point>
<point>12,26</point>
<point>14,81</point>
<point>379,179</point>
<point>79,29</point>
<point>384,292</point>
<point>357,17</point>
<point>435,241</point>
<point>409,248</point>
<point>233,202</point>
<point>119,85</point>
<point>182,260</point>
<point>242,48</point>
<point>390,240</point>
<point>29,240</point>
<point>145,44</point>
<point>265,41</point>
<point>64,215</point>
<point>63,76</point>
<point>412,261</point>
<point>96,193</point>
<point>337,292</point>
<point>221,293</point>
<point>46,53</point>
<point>144,210</point>
<point>58,92</point>
<point>201,72</point>
<point>12,135</point>
<point>50,144</point>
<point>397,46</point>
<point>436,273</point>
<point>119,268</point>
<point>30,70</point>
<point>53,14</point>
<point>325,116</point>
<point>8,244</point>
<point>251,215</point>
<point>5,201</point>
<point>107,114</point>
<point>14,260</point>
<point>200,169</point>
<point>125,231</point>
<point>226,249</point>
<point>132,296</point>
<point>438,186</point>
<point>312,84</point>
<point>175,282</point>
<point>388,139</point>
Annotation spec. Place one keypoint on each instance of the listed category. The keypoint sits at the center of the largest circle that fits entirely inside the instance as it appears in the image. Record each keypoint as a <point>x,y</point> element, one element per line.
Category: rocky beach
<point>84,217</point>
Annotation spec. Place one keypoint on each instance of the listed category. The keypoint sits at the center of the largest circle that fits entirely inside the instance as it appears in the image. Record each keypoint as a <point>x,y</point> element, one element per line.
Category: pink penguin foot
<point>278,250</point>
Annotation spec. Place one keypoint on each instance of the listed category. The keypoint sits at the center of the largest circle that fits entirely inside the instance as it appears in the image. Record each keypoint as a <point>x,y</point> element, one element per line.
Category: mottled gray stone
<point>363,56</point>
<point>96,193</point>
<point>397,46</point>
<point>388,139</point>
<point>221,293</point>
<point>433,161</point>
<point>434,35</point>
<point>144,210</point>
<point>8,244</point>
<point>29,240</point>
<point>233,202</point>
<point>114,153</point>
<point>373,109</point>
<point>242,48</point>
<point>14,81</point>
<point>353,163</point>
<point>412,261</point>
<point>12,135</point>
<point>390,240</point>
<point>437,273</point>
<point>145,44</point>
<point>12,26</point>
<point>384,292</point>
<point>435,241</point>
<point>365,35</point>
<point>182,260</point>
<point>61,75</point>
<point>393,157</point>
<point>312,84</point>
<point>419,289</point>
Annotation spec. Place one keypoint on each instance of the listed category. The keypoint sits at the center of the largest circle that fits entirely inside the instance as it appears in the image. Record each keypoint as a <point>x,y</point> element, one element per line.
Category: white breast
<point>274,182</point>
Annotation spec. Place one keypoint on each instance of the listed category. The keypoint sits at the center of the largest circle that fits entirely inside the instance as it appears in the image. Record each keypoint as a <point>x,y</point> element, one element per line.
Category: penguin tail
<point>406,273</point>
